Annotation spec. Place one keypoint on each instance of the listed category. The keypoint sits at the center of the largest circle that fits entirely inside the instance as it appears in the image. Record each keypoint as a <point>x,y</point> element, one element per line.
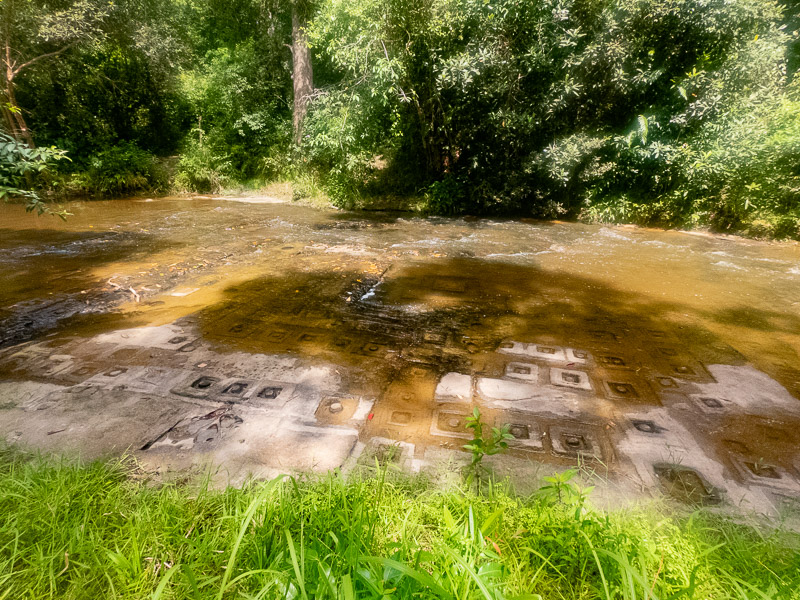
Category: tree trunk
<point>13,116</point>
<point>8,118</point>
<point>301,67</point>
<point>12,113</point>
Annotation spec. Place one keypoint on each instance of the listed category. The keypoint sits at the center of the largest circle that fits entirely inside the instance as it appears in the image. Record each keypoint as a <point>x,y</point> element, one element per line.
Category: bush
<point>243,127</point>
<point>445,197</point>
<point>202,170</point>
<point>20,166</point>
<point>339,143</point>
<point>121,169</point>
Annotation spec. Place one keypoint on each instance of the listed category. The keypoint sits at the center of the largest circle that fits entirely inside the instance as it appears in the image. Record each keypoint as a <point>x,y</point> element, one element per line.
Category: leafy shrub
<point>340,141</point>
<point>243,127</point>
<point>276,163</point>
<point>20,165</point>
<point>121,169</point>
<point>202,170</point>
<point>486,441</point>
<point>445,197</point>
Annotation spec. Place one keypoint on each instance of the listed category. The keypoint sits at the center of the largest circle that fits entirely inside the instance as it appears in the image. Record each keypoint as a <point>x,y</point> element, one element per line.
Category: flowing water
<point>672,360</point>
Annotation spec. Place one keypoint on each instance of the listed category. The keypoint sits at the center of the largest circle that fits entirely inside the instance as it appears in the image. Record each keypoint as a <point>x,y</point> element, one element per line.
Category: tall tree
<point>302,73</point>
<point>36,30</point>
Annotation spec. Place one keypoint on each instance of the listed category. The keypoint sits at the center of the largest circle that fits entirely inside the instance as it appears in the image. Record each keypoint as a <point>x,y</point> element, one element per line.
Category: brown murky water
<point>635,320</point>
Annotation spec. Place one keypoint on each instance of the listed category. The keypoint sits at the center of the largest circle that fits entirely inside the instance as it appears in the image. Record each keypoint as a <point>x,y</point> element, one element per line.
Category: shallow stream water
<point>606,329</point>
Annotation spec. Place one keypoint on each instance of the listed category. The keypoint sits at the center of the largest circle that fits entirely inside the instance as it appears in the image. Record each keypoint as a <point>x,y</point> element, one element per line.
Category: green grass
<point>97,531</point>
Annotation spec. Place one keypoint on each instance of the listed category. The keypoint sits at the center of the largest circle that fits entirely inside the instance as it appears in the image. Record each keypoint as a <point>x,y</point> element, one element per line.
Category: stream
<point>264,337</point>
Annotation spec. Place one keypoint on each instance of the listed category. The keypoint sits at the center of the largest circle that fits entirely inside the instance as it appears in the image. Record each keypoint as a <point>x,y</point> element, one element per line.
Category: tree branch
<point>48,55</point>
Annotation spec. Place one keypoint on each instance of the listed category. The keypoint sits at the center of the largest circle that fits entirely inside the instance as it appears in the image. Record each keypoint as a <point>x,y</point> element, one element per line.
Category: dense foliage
<point>661,111</point>
<point>20,165</point>
<point>667,112</point>
<point>100,532</point>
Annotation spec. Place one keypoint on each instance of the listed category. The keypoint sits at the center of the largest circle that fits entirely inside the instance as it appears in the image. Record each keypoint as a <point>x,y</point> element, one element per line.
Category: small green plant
<point>484,445</point>
<point>561,489</point>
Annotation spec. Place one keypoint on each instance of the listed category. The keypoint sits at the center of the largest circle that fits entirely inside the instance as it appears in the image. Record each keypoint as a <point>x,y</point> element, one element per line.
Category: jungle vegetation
<point>659,112</point>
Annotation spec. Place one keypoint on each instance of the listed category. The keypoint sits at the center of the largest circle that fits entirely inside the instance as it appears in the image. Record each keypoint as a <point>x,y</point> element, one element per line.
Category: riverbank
<point>101,530</point>
<point>268,337</point>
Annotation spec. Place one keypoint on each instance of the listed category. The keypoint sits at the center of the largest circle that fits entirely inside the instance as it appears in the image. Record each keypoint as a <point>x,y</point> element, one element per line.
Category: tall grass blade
<point>162,585</point>
<point>478,581</point>
<point>348,592</point>
<point>298,573</point>
<point>248,517</point>
<point>189,574</point>
<point>418,575</point>
<point>599,565</point>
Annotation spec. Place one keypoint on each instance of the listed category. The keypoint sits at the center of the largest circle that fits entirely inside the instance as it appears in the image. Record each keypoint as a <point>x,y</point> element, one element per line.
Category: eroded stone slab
<point>745,389</point>
<point>666,456</point>
<point>505,389</point>
<point>454,387</point>
<point>571,378</point>
<point>450,423</point>
<point>182,403</point>
<point>296,447</point>
<point>546,352</point>
<point>524,371</point>
<point>94,422</point>
<point>166,337</point>
<point>526,430</point>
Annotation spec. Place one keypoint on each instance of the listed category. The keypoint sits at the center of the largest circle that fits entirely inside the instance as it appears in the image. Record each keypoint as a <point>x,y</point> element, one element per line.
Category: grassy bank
<point>96,531</point>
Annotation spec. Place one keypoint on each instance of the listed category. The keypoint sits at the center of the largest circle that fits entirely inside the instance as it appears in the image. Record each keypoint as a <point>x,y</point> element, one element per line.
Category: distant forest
<point>658,112</point>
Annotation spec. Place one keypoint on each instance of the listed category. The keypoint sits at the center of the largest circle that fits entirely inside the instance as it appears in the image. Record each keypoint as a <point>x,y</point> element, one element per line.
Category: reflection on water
<point>404,272</point>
